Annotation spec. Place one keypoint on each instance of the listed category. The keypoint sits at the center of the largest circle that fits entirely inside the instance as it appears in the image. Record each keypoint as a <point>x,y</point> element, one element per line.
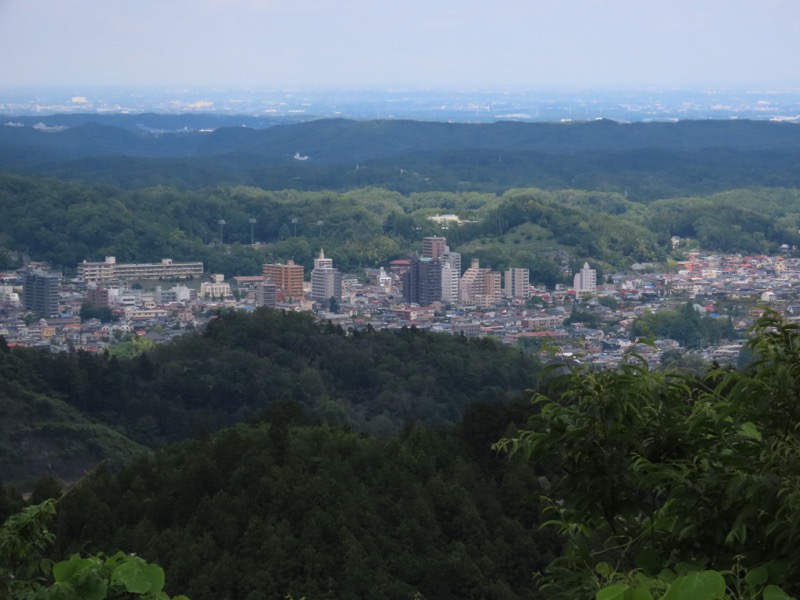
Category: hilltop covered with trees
<point>65,223</point>
<point>240,368</point>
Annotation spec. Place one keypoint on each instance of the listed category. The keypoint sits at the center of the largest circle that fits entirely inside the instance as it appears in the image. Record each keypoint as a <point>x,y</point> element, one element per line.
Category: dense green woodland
<point>65,223</point>
<point>267,509</point>
<point>648,160</point>
<point>620,484</point>
<point>685,326</point>
<point>464,518</point>
<point>264,510</point>
<point>235,370</point>
<point>659,479</point>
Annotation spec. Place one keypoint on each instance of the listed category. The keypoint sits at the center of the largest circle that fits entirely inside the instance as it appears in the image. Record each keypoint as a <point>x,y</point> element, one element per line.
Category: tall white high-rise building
<point>451,275</point>
<point>585,281</point>
<point>321,262</point>
<point>326,281</point>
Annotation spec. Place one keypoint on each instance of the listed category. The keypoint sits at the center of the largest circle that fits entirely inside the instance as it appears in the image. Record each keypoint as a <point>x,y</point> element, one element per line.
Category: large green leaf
<point>700,585</point>
<point>139,577</point>
<point>613,592</point>
<point>66,569</point>
<point>758,576</point>
<point>773,592</point>
<point>749,430</point>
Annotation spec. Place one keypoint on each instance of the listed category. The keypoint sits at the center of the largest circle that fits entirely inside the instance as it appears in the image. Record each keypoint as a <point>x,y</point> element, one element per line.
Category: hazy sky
<point>320,43</point>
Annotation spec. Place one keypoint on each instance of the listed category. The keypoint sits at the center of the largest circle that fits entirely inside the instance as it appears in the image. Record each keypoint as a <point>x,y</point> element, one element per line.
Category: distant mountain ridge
<point>334,139</point>
<point>149,121</point>
<point>241,154</point>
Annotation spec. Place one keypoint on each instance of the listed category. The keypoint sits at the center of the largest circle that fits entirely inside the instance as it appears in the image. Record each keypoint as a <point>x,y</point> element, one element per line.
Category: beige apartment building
<point>480,286</point>
<point>288,277</point>
<point>111,270</point>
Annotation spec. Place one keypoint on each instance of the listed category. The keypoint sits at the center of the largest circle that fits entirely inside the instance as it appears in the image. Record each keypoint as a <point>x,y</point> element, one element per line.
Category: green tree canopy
<point>655,470</point>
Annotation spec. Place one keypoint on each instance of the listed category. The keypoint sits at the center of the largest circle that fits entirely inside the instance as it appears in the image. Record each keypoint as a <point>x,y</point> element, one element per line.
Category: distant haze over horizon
<point>442,104</point>
<point>439,43</point>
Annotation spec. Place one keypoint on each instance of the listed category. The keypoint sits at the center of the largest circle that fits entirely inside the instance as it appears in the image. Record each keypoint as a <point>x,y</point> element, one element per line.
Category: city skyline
<point>313,43</point>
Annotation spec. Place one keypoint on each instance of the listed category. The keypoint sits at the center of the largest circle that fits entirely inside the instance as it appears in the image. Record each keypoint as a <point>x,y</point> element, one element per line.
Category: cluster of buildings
<point>436,276</point>
<point>429,291</point>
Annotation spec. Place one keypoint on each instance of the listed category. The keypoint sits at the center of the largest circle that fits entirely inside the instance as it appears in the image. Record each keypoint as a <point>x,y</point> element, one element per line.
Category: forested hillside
<point>647,160</point>
<point>240,368</point>
<point>65,223</point>
<point>42,433</point>
<point>406,508</point>
<point>631,483</point>
<point>315,511</point>
<point>612,193</point>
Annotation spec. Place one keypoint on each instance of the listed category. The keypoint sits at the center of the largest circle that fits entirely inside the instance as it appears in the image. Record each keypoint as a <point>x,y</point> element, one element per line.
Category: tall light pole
<point>320,223</point>
<point>221,223</point>
<point>294,222</point>
<point>252,224</point>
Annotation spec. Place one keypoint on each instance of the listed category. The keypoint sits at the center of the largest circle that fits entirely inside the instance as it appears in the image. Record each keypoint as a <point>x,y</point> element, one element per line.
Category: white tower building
<point>326,281</point>
<point>585,281</point>
<point>451,275</point>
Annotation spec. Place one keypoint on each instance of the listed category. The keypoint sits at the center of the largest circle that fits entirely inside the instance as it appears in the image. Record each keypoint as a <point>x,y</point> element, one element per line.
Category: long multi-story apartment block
<point>111,270</point>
